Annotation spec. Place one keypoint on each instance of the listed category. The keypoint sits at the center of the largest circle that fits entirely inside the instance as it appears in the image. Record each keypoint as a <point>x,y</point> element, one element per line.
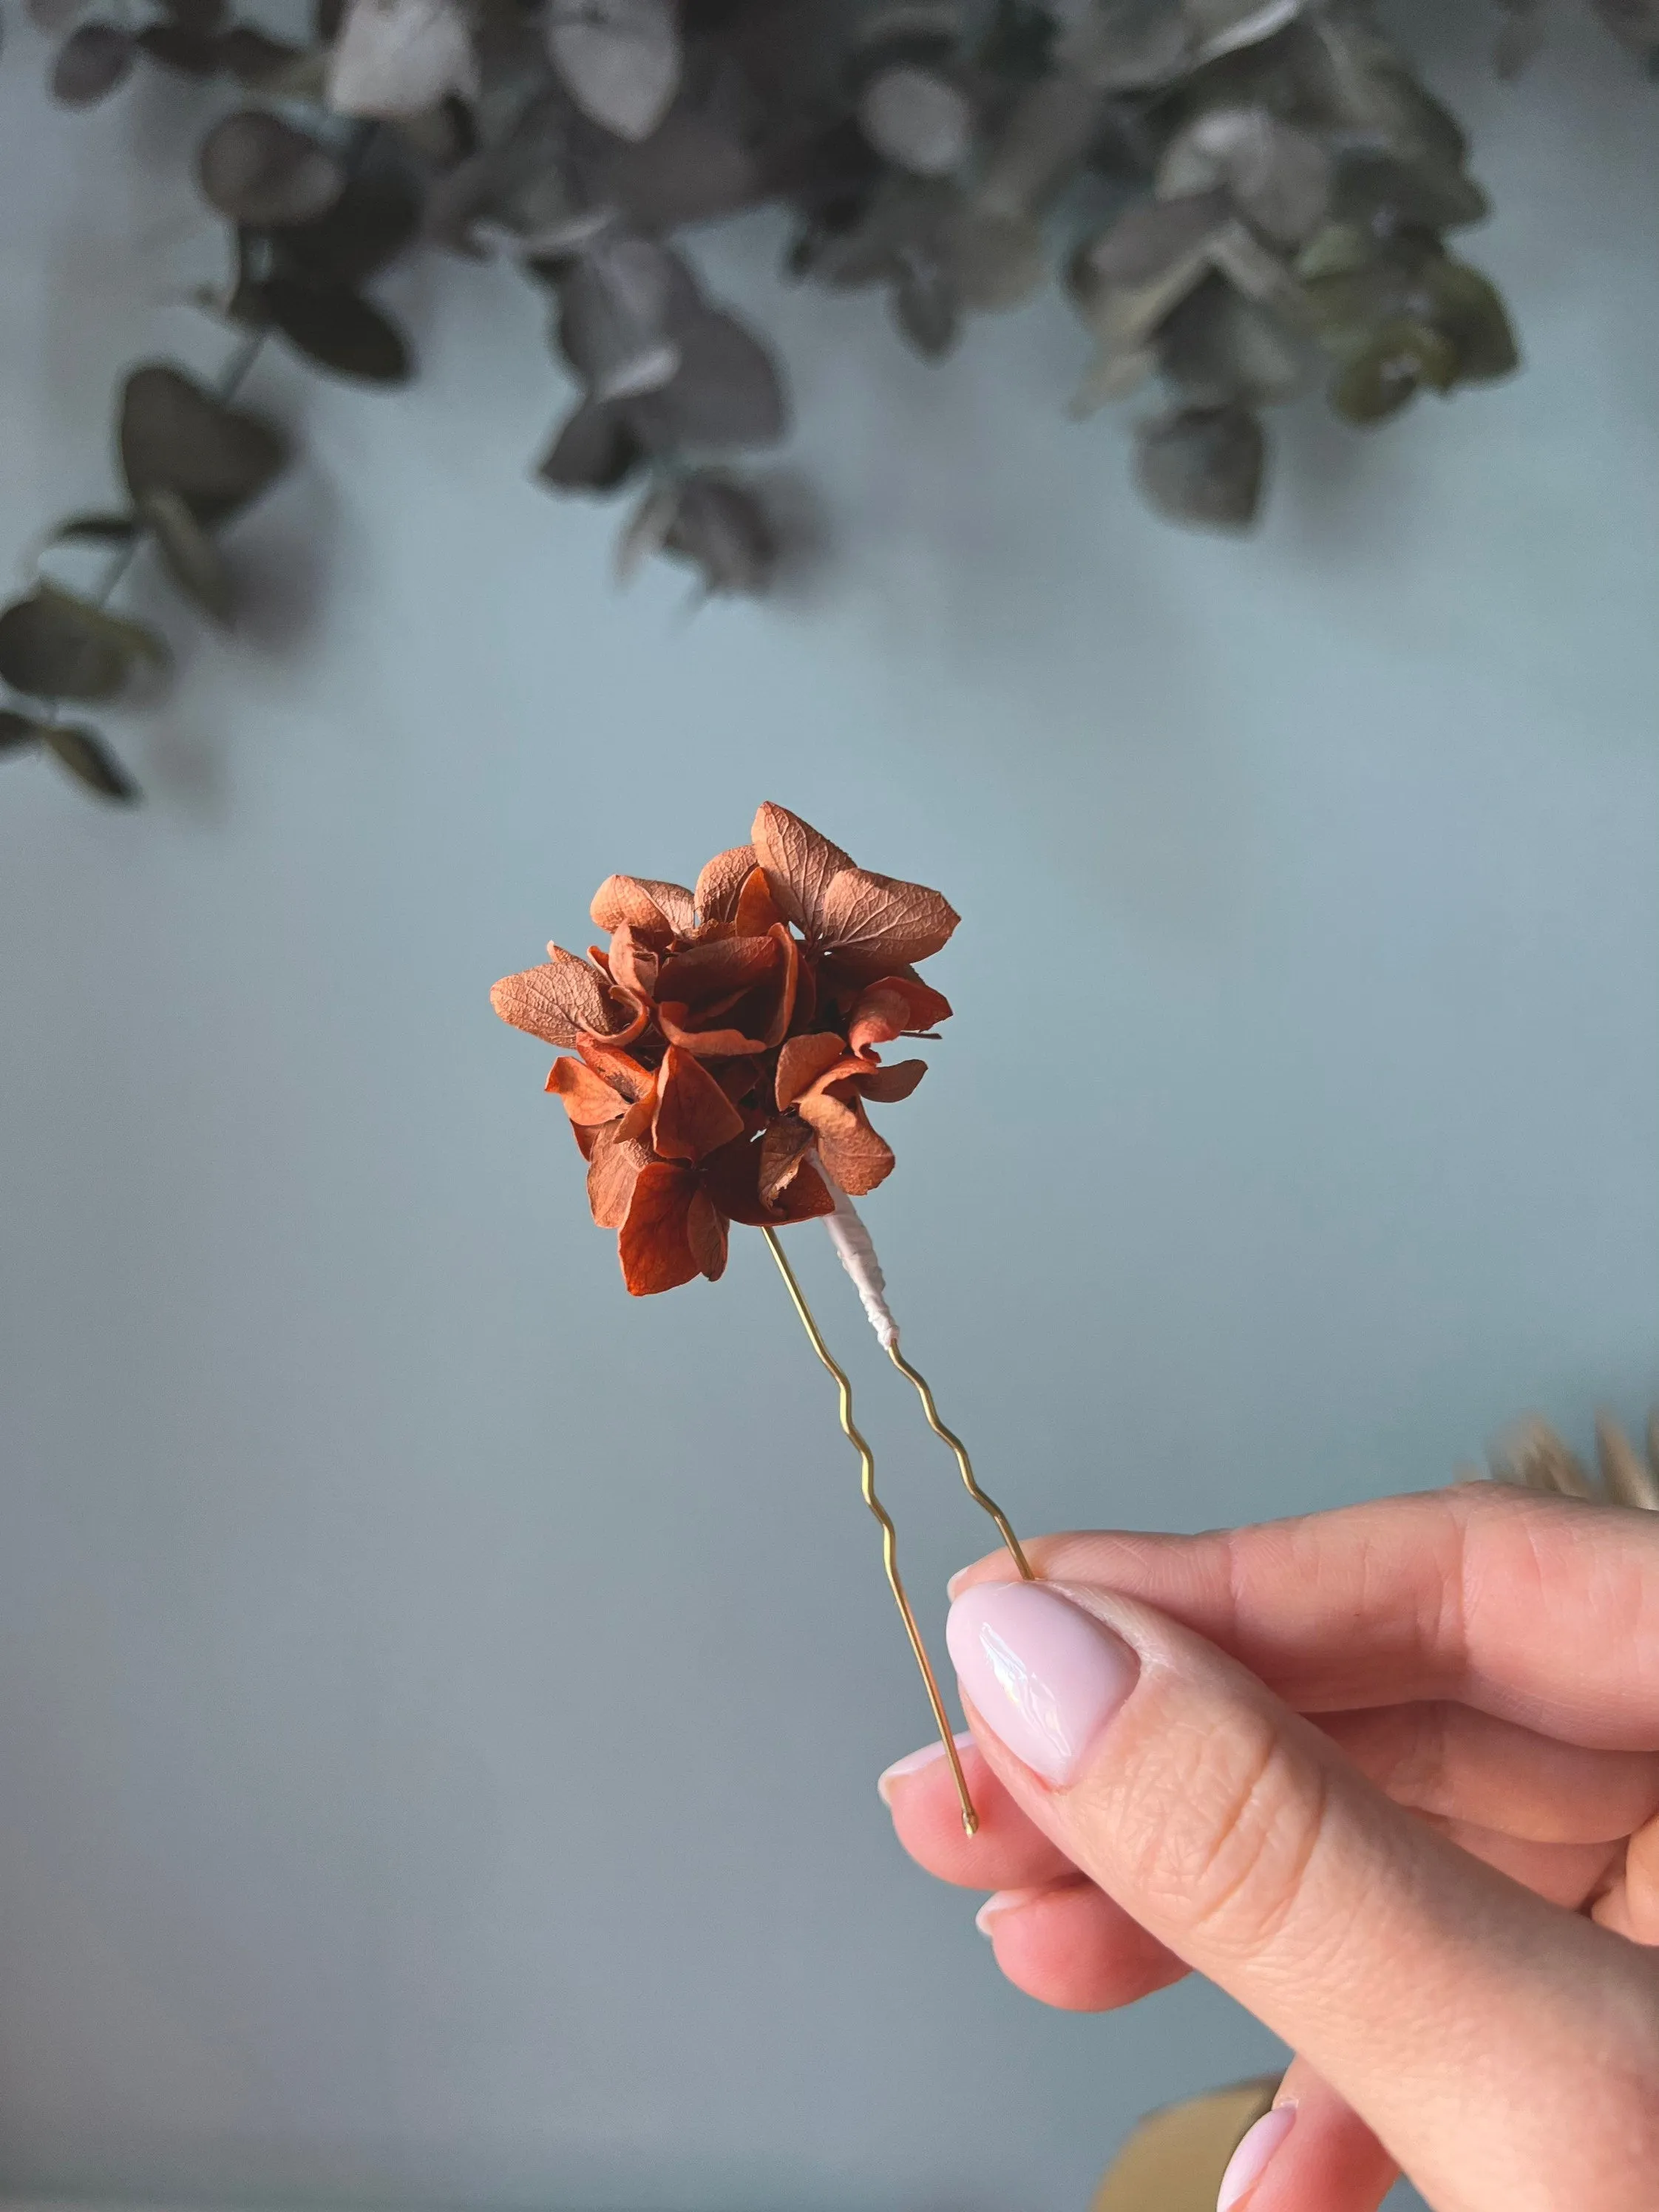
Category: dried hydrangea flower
<point>723,1045</point>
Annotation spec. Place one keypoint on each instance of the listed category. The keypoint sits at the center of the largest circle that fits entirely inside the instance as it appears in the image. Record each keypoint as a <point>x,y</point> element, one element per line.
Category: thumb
<point>1505,2051</point>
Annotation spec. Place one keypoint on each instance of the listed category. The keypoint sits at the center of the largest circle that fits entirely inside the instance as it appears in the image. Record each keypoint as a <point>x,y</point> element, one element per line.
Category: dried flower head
<point>724,1048</point>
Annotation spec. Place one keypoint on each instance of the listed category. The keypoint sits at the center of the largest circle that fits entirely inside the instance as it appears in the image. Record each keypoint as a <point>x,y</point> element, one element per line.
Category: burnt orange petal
<point>693,1115</point>
<point>803,1198</point>
<point>642,902</point>
<point>562,1002</point>
<point>620,1069</point>
<point>654,1247</point>
<point>614,1165</point>
<point>887,1084</point>
<point>757,910</point>
<point>800,864</point>
<point>784,1147</point>
<point>721,880</point>
<point>709,1044</point>
<point>784,1012</point>
<point>896,1006</point>
<point>874,923</point>
<point>587,1098</point>
<point>850,1149</point>
<point>633,962</point>
<point>705,1233</point>
<point>802,1061</point>
<point>717,968</point>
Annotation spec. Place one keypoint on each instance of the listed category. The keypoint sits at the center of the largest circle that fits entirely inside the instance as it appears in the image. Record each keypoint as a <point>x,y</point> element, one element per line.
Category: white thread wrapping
<point>857,1253</point>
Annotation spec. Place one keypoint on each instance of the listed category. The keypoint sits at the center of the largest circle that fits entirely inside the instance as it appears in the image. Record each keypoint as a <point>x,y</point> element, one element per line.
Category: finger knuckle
<point>1230,1862</point>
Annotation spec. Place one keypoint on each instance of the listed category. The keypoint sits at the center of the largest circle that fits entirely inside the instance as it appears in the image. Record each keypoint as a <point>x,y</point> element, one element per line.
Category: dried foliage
<point>1244,200</point>
<point>1533,1456</point>
<point>724,1046</point>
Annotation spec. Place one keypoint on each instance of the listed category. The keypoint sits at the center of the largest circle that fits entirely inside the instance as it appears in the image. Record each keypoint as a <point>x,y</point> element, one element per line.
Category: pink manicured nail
<point>912,1765</point>
<point>1250,2162</point>
<point>1002,1900</point>
<point>1044,1675</point>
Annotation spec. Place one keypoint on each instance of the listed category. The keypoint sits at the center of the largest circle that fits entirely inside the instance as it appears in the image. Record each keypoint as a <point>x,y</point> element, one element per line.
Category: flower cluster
<point>724,1046</point>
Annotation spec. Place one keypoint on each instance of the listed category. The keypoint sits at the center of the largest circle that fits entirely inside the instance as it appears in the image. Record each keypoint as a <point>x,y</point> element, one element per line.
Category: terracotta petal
<point>716,969</point>
<point>587,1098</point>
<point>613,1166</point>
<point>721,880</point>
<point>560,1002</point>
<point>896,1006</point>
<point>783,1152</point>
<point>642,903</point>
<point>619,1069</point>
<point>850,1149</point>
<point>784,1012</point>
<point>886,1084</point>
<point>693,1115</point>
<point>803,1198</point>
<point>709,1044</point>
<point>875,923</point>
<point>757,910</point>
<point>654,1247</point>
<point>732,1178</point>
<point>705,1233</point>
<point>802,1060</point>
<point>800,864</point>
<point>634,963</point>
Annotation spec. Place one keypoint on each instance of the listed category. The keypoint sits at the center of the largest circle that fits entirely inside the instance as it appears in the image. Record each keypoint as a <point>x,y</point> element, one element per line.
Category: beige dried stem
<point>1533,1457</point>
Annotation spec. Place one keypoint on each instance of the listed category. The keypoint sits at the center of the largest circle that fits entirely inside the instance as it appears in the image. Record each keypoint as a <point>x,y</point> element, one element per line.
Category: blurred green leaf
<point>55,645</point>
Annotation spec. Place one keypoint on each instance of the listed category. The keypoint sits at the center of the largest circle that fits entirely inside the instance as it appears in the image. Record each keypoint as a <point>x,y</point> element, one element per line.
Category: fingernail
<point>1000,1901</point>
<point>1044,1675</point>
<point>1250,2162</point>
<point>914,1764</point>
<point>957,1581</point>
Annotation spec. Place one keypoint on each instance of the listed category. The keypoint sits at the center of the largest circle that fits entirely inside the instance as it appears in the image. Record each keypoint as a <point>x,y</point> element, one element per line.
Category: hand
<point>1390,1776</point>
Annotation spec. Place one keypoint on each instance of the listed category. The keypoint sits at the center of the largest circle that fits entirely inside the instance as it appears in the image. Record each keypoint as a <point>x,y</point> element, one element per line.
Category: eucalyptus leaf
<point>995,261</point>
<point>257,169</point>
<point>20,732</point>
<point>111,530</point>
<point>1634,22</point>
<point>54,17</point>
<point>722,529</point>
<point>1276,175</point>
<point>90,761</point>
<point>200,15</point>
<point>926,309</point>
<point>645,531</point>
<point>1468,310</point>
<point>55,645</point>
<point>619,59</point>
<point>1036,147</point>
<point>176,46</point>
<point>597,450</point>
<point>375,218</point>
<point>1377,189</point>
<point>726,391</point>
<point>621,310</point>
<point>176,436</point>
<point>338,329</point>
<point>191,559</point>
<point>397,58</point>
<point>1402,357</point>
<point>1218,348</point>
<point>90,64</point>
<point>1203,465</point>
<point>918,118</point>
<point>691,167</point>
<point>255,60</point>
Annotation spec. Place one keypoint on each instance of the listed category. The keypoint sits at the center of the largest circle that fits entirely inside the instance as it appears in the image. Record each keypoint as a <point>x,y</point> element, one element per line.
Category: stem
<point>888,1534</point>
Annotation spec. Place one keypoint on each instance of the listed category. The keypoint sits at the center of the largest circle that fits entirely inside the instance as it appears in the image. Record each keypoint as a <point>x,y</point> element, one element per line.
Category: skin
<point>1390,1776</point>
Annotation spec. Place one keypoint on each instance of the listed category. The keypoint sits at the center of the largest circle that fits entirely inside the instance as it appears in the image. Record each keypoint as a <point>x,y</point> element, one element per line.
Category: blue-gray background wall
<point>439,1699</point>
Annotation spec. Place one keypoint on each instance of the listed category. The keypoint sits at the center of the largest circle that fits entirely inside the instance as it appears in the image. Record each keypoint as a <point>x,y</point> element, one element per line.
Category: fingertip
<point>915,1762</point>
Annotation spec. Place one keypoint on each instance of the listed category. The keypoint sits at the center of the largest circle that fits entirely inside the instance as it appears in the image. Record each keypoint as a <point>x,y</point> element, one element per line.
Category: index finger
<point>1541,1610</point>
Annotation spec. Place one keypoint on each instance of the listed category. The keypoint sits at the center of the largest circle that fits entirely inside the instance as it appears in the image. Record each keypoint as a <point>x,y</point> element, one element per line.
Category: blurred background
<point>440,1698</point>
